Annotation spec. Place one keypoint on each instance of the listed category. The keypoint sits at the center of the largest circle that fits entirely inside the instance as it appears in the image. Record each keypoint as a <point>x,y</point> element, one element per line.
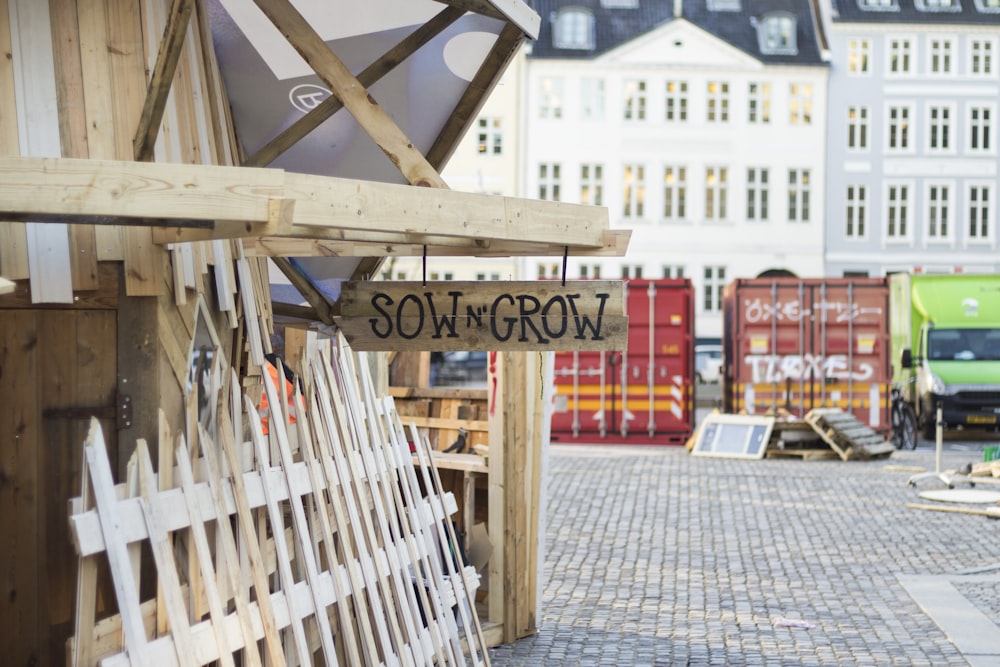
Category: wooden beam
<point>475,95</point>
<point>374,72</point>
<point>366,111</point>
<point>316,299</point>
<point>161,79</point>
<point>515,11</point>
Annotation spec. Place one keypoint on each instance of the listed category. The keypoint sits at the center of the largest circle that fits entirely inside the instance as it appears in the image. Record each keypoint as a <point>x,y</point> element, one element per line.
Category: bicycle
<point>904,422</point>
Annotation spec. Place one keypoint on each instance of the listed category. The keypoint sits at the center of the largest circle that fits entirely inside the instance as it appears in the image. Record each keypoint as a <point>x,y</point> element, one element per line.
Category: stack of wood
<point>366,572</point>
<point>826,433</point>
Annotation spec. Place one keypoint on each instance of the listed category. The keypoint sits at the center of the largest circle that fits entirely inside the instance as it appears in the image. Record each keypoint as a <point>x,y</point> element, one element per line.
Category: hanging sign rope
<point>487,315</point>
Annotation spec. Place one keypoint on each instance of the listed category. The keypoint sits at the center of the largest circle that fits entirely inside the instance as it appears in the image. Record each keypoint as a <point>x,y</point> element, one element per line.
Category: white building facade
<point>700,127</point>
<point>913,157</point>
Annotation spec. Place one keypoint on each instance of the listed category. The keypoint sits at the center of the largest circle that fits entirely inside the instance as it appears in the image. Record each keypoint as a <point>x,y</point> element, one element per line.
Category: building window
<point>898,136</point>
<point>549,181</point>
<point>939,128</point>
<point>800,103</point>
<point>489,136</point>
<point>635,99</point>
<point>859,52</point>
<point>676,101</point>
<point>776,34</point>
<point>634,195</point>
<point>718,102</point>
<point>716,192</point>
<point>900,55</point>
<point>878,5</point>
<point>857,128</point>
<point>897,212</point>
<point>937,5</point>
<point>757,194</point>
<point>620,4</point>
<point>981,57</point>
<point>715,282</point>
<point>552,270</point>
<point>550,98</point>
<point>759,102</point>
<point>940,56</point>
<point>592,184</point>
<point>592,99</point>
<point>979,226</point>
<point>676,271</point>
<point>675,193</point>
<point>980,128</point>
<point>573,29</point>
<point>590,271</point>
<point>856,212</point>
<point>798,195</point>
<point>988,6</point>
<point>938,212</point>
<point>631,271</point>
<point>723,5</point>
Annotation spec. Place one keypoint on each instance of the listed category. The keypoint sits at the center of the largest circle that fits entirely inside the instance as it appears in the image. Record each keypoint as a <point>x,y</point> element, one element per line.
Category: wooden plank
<point>537,315</point>
<point>449,423</point>
<point>13,237</point>
<point>375,121</point>
<point>161,78</point>
<point>371,74</point>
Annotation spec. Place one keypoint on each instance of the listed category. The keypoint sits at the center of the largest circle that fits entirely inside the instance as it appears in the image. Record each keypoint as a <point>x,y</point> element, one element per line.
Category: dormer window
<point>988,6</point>
<point>573,29</point>
<point>724,5</point>
<point>938,5</point>
<point>619,4</point>
<point>776,34</point>
<point>879,5</point>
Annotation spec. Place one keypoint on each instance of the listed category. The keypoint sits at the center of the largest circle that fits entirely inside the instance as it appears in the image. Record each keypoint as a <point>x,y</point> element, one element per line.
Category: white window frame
<point>891,211</point>
<point>858,129</point>
<point>859,56</point>
<point>716,193</point>
<point>634,191</point>
<point>550,97</point>
<point>674,271</point>
<point>717,102</point>
<point>942,53</point>
<point>878,5</point>
<point>759,102</point>
<point>635,98</point>
<point>489,135</point>
<point>713,283</point>
<point>974,206</point>
<point>976,126</point>
<point>777,33</point>
<point>800,196</point>
<point>940,128</point>
<point>573,29</point>
<point>549,181</point>
<point>758,194</point>
<point>592,98</point>
<point>800,103</point>
<point>983,58</point>
<point>675,192</point>
<point>856,207</point>
<point>901,49</point>
<point>675,101</point>
<point>910,134</point>
<point>939,211</point>
<point>592,184</point>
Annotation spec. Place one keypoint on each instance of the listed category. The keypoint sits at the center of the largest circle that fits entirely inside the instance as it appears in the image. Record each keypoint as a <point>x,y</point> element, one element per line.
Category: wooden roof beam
<point>371,74</point>
<point>324,309</point>
<point>372,118</point>
<point>162,78</point>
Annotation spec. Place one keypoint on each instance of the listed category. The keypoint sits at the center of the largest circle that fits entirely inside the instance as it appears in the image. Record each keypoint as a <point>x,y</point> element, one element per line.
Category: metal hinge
<point>120,411</point>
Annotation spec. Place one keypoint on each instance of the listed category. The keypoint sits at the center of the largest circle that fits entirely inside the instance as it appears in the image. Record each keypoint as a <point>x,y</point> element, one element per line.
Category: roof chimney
<point>678,8</point>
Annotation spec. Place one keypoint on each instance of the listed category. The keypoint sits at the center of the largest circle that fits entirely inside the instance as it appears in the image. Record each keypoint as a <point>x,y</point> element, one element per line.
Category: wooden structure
<point>847,436</point>
<point>142,224</point>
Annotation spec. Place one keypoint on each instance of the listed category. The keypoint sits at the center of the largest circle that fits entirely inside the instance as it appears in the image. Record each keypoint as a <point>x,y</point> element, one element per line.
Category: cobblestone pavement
<point>656,557</point>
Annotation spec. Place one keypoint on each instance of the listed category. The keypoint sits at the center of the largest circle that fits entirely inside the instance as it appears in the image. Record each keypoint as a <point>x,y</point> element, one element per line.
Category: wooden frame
<point>734,436</point>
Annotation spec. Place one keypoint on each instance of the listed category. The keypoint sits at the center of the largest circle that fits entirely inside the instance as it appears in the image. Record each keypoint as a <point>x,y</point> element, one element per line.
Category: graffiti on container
<point>759,310</point>
<point>767,368</point>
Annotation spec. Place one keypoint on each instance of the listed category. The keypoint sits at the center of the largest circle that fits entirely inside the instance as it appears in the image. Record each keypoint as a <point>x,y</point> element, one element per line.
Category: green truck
<point>945,337</point>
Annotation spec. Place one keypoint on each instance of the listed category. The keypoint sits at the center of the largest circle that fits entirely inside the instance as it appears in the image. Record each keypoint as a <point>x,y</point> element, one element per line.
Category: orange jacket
<point>264,410</point>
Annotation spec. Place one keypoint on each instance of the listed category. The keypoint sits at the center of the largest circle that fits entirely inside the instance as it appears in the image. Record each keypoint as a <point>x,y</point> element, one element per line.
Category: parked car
<point>707,363</point>
<point>460,368</point>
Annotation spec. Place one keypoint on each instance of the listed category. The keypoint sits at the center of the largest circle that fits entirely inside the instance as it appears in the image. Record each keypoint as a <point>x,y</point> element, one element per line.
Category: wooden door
<point>51,360</point>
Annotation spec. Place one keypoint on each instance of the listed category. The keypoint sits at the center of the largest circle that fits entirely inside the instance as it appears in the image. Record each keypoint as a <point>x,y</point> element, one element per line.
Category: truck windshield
<point>963,344</point>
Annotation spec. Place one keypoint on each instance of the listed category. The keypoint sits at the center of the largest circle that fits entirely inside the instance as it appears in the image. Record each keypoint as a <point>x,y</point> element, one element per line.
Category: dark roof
<point>617,26</point>
<point>849,11</point>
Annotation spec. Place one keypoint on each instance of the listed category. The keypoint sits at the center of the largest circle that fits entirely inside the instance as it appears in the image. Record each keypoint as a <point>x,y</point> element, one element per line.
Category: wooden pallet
<point>847,436</point>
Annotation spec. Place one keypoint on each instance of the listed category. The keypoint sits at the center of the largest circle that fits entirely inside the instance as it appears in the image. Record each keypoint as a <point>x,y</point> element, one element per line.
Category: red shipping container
<point>797,344</point>
<point>640,396</point>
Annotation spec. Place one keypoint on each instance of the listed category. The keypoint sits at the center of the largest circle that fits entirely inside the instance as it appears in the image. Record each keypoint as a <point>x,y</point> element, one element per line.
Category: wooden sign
<point>487,315</point>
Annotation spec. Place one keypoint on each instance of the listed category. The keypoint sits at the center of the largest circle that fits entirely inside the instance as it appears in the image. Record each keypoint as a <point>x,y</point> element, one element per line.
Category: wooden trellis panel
<point>362,569</point>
